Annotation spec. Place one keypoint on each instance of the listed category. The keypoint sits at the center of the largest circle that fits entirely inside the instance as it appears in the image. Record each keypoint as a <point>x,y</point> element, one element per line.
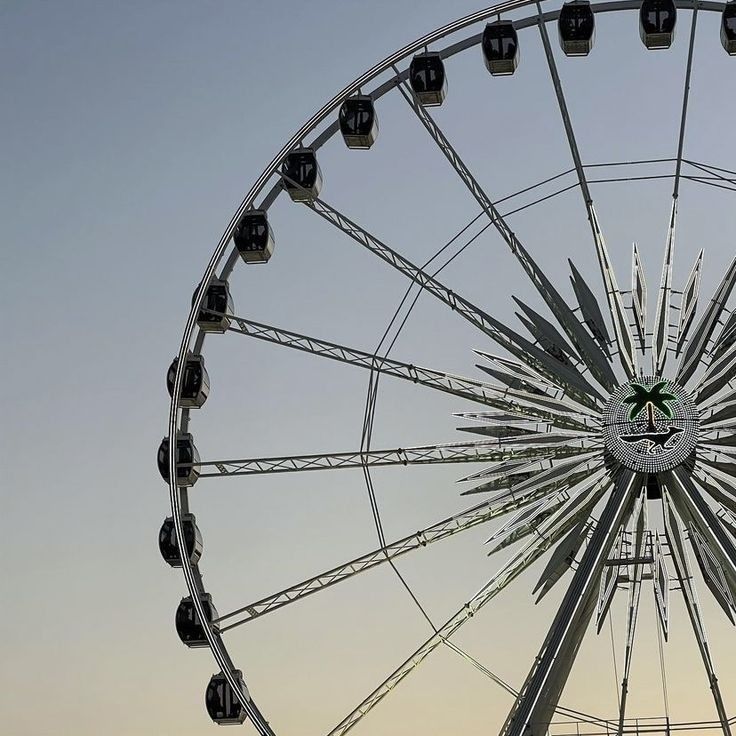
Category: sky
<point>130,134</point>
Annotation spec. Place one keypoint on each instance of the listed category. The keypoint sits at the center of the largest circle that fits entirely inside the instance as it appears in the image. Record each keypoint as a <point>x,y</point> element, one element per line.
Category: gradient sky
<point>130,134</point>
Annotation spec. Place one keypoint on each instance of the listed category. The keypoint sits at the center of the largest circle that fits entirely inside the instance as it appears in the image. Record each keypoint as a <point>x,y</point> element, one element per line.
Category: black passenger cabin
<point>187,458</point>
<point>222,703</point>
<point>358,122</point>
<point>253,237</point>
<point>728,28</point>
<point>302,177</point>
<point>217,306</point>
<point>500,48</point>
<point>195,386</point>
<point>576,27</point>
<point>189,625</point>
<point>657,19</point>
<point>427,78</point>
<point>168,546</point>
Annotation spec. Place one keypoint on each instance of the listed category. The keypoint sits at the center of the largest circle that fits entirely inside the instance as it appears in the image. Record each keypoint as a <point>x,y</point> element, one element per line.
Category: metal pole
<point>543,687</point>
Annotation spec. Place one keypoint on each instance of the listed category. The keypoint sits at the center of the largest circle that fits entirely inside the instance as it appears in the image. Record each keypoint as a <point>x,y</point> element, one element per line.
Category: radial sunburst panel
<point>584,413</point>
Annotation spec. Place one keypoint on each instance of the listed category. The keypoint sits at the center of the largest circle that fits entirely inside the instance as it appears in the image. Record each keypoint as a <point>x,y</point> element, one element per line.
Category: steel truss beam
<point>589,351</point>
<point>624,339</point>
<point>553,407</point>
<point>548,532</point>
<point>660,342</point>
<point>560,374</point>
<point>480,513</point>
<point>456,452</point>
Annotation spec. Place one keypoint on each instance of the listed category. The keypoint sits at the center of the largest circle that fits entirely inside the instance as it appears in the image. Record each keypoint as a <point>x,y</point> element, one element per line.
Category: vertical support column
<point>540,694</point>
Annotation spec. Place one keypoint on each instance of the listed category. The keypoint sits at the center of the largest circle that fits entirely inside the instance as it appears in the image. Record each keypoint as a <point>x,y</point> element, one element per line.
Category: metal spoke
<point>456,452</point>
<point>662,319</point>
<point>517,345</point>
<point>590,352</point>
<point>550,531</point>
<point>542,405</point>
<point>467,519</point>
<point>685,100</point>
<point>624,339</point>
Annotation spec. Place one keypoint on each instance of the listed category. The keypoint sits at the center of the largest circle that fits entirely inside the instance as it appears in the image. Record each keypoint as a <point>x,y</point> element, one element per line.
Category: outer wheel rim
<point>178,416</point>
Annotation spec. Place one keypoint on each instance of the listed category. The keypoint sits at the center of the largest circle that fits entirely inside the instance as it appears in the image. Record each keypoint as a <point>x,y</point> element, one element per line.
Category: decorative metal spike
<point>718,374</point>
<point>547,330</point>
<point>561,559</point>
<point>689,594</point>
<point>660,342</point>
<point>590,310</point>
<point>609,581</point>
<point>712,572</point>
<point>543,339</point>
<point>697,344</point>
<point>526,521</point>
<point>624,340</point>
<point>639,298</point>
<point>661,578</point>
<point>635,576</point>
<point>514,381</point>
<point>689,303</point>
<point>726,337</point>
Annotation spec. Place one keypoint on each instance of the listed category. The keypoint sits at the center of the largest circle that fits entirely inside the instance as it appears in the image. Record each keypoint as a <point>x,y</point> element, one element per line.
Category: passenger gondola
<point>187,460</point>
<point>195,387</point>
<point>217,306</point>
<point>500,46</point>
<point>302,177</point>
<point>358,122</point>
<point>222,703</point>
<point>189,625</point>
<point>169,547</point>
<point>576,28</point>
<point>728,28</point>
<point>427,78</point>
<point>657,20</point>
<point>253,237</point>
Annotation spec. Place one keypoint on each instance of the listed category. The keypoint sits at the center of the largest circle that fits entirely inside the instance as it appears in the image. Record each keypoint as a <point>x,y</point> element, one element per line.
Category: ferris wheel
<point>601,435</point>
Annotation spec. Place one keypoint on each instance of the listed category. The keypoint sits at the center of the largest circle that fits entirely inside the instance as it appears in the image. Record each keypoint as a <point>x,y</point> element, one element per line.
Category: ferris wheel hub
<point>650,425</point>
